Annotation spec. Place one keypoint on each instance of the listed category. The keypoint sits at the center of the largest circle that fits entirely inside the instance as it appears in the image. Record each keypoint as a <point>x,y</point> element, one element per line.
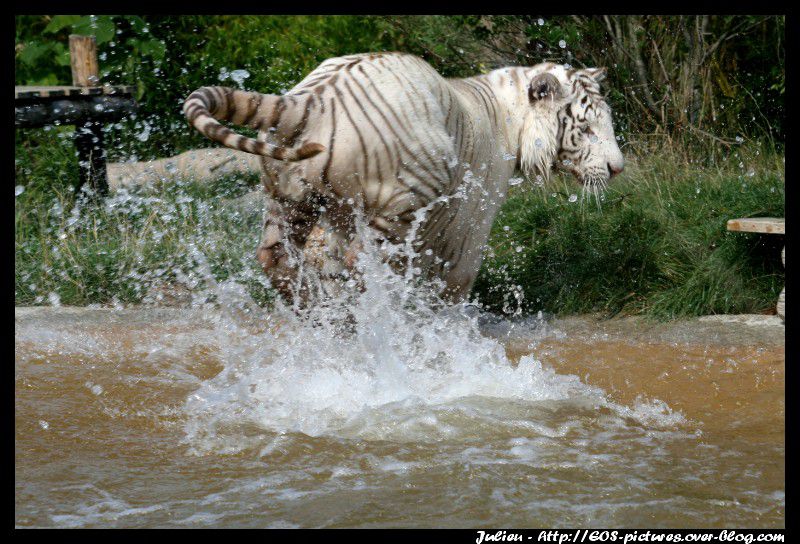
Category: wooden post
<point>83,60</point>
<point>89,137</point>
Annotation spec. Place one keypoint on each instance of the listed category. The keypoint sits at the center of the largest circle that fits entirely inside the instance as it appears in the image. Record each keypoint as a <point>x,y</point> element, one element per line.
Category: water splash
<point>385,359</point>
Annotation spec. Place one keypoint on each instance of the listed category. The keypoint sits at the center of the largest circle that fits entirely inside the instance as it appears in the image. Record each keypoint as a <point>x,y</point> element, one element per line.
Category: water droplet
<point>144,135</point>
<point>94,388</point>
<point>239,76</point>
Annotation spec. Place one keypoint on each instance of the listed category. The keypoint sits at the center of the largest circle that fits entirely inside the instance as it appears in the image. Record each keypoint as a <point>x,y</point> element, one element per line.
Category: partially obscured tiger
<point>384,133</point>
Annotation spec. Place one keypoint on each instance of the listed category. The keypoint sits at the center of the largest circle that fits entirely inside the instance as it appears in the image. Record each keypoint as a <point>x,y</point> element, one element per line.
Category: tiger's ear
<point>598,74</point>
<point>544,85</point>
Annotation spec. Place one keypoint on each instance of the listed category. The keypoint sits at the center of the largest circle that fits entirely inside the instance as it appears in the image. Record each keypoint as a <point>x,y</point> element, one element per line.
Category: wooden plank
<point>58,91</point>
<point>764,225</point>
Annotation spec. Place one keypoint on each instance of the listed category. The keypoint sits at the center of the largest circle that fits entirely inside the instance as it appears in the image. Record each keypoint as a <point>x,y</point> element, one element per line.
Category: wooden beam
<point>764,225</point>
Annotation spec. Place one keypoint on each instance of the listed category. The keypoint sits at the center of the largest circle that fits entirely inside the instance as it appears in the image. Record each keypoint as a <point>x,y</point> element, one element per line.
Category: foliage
<point>132,247</point>
<point>699,84</point>
<point>658,246</point>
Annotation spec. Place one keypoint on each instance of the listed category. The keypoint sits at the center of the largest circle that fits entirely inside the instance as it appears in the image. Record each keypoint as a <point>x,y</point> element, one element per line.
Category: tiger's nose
<point>613,169</point>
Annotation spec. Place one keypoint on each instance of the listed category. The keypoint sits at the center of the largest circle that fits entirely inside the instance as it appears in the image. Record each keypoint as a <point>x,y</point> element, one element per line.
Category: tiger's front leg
<point>287,226</point>
<point>335,254</point>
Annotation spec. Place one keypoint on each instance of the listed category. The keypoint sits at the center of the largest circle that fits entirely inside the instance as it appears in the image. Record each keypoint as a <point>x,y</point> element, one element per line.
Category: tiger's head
<point>566,106</point>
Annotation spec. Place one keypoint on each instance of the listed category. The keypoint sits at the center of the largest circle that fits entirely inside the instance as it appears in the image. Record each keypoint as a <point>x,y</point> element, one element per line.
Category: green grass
<point>658,246</point>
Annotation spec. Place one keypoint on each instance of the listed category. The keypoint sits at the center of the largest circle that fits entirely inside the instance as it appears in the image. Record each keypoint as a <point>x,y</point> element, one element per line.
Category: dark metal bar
<point>71,111</point>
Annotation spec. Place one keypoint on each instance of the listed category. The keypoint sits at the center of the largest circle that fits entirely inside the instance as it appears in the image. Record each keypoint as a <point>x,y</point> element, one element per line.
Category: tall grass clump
<point>657,244</point>
<point>156,245</point>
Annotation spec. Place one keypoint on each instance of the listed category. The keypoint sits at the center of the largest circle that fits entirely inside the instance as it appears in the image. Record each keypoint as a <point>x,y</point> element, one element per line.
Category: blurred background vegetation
<point>699,82</point>
<point>699,111</point>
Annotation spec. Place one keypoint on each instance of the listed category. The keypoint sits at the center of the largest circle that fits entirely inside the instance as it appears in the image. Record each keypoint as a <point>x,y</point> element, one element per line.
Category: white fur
<point>451,148</point>
<point>537,143</point>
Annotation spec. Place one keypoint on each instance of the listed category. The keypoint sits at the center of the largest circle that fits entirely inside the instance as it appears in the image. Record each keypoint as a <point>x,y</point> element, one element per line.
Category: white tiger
<point>385,134</point>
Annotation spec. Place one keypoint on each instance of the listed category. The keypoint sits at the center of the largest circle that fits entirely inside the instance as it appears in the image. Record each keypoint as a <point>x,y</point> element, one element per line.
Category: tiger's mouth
<point>594,186</point>
<point>594,181</point>
<point>589,180</point>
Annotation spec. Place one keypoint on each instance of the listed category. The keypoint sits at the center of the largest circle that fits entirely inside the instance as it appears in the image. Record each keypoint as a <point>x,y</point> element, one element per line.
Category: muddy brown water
<point>169,418</point>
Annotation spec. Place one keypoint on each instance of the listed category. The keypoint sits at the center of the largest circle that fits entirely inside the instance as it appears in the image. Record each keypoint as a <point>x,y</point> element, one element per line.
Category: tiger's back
<point>382,119</point>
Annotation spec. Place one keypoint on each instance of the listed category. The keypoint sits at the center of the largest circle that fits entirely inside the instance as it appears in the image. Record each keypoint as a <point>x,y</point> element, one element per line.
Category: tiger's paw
<point>272,256</point>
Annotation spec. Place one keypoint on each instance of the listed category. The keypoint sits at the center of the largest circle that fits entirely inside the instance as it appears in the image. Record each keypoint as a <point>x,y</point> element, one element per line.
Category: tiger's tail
<point>206,106</point>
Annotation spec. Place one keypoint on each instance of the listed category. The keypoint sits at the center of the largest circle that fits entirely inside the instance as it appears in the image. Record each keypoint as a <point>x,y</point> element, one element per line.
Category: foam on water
<point>387,361</point>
